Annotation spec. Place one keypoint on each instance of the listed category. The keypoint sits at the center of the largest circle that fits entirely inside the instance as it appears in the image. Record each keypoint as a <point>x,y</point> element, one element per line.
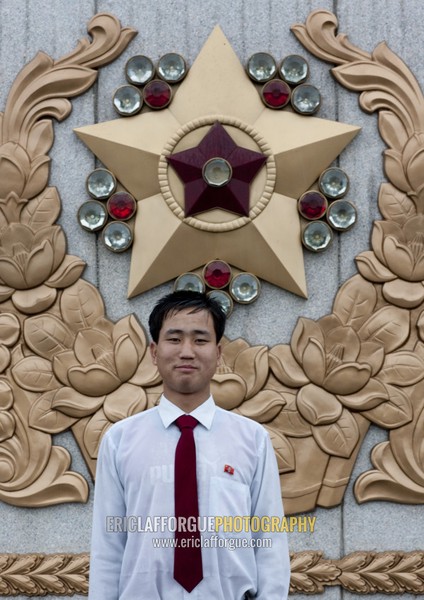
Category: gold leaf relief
<point>355,302</point>
<point>33,266</point>
<point>47,335</point>
<point>109,40</point>
<point>69,271</point>
<point>252,365</point>
<point>402,368</point>
<point>284,451</point>
<point>388,327</point>
<point>39,574</point>
<point>126,401</point>
<point>372,269</point>
<point>392,131</point>
<point>94,431</point>
<point>73,404</point>
<point>81,305</point>
<point>35,374</point>
<point>262,407</point>
<point>319,37</point>
<point>290,421</point>
<point>395,412</point>
<point>285,368</point>
<point>45,418</point>
<point>339,438</point>
<point>42,210</point>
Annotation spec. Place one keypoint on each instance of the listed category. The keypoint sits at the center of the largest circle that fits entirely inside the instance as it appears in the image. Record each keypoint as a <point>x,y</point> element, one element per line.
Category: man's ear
<point>218,351</point>
<point>153,352</point>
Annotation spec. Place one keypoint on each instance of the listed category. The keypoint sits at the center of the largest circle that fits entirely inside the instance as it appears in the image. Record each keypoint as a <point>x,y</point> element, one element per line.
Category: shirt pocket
<point>228,498</point>
<point>230,504</point>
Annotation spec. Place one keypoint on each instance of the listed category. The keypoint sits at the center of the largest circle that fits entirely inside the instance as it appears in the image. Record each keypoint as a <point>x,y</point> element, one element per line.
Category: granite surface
<point>27,26</point>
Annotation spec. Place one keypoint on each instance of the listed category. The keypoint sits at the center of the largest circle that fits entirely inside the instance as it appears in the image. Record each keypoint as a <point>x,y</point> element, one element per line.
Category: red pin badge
<point>229,469</point>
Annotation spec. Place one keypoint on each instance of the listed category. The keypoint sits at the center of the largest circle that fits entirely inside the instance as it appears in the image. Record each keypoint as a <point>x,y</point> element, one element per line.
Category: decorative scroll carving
<point>34,271</point>
<point>394,266</point>
<point>41,574</point>
<point>361,572</point>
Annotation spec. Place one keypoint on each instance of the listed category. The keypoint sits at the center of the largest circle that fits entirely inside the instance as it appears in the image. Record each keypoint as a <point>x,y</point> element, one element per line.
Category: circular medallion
<point>223,299</point>
<point>92,215</point>
<point>172,67</point>
<point>294,69</point>
<point>191,282</point>
<point>341,215</point>
<point>190,135</point>
<point>127,100</point>
<point>217,172</point>
<point>317,236</point>
<point>117,236</point>
<point>100,184</point>
<point>261,67</point>
<point>139,70</point>
<point>245,288</point>
<point>217,274</point>
<point>334,183</point>
<point>306,99</point>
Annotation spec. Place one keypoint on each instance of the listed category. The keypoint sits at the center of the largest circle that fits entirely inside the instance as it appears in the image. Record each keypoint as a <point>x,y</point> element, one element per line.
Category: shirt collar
<point>204,413</point>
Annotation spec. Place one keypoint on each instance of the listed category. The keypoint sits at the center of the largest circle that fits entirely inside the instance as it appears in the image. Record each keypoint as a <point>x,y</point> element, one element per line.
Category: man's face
<point>186,355</point>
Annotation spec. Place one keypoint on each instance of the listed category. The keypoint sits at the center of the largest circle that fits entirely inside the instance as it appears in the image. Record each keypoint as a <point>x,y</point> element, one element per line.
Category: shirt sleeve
<point>273,563</point>
<point>108,533</point>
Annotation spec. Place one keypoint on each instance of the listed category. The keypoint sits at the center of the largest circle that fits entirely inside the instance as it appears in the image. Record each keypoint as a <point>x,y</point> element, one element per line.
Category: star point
<point>243,167</point>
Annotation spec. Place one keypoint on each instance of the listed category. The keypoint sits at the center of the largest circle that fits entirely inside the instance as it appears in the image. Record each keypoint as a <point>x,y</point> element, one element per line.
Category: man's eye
<point>201,341</point>
<point>174,340</point>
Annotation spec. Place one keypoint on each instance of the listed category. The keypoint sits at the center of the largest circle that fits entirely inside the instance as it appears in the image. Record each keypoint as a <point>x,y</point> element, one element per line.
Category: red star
<point>199,196</point>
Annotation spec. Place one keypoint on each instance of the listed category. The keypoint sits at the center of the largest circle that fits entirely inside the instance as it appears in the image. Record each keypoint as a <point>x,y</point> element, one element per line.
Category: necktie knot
<point>186,422</point>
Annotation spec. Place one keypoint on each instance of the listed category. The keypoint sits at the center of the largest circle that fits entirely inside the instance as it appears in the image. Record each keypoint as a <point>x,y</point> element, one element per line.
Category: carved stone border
<point>389,572</point>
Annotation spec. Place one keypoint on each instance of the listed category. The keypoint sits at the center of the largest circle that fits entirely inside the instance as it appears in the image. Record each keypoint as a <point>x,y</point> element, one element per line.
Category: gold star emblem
<point>266,241</point>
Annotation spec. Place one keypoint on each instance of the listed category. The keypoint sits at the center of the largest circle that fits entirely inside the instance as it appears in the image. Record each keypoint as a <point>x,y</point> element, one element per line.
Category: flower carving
<point>25,172</point>
<point>101,358</point>
<point>398,257</point>
<point>10,330</point>
<point>241,374</point>
<point>405,165</point>
<point>84,365</point>
<point>339,367</point>
<point>29,258</point>
<point>33,259</point>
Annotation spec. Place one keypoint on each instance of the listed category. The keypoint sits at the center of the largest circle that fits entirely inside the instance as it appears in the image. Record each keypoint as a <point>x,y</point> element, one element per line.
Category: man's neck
<point>185,403</point>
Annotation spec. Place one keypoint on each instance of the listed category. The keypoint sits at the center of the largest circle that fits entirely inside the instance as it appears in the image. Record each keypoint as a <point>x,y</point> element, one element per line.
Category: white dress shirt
<point>135,478</point>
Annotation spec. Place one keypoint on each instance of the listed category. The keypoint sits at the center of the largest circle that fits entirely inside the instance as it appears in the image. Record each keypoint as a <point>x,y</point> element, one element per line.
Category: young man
<point>175,483</point>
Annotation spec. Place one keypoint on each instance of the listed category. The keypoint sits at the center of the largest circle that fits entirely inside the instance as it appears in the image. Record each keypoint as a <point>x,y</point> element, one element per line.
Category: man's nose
<point>187,349</point>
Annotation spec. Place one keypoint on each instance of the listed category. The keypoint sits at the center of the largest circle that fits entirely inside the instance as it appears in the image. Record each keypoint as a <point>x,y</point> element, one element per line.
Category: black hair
<point>180,300</point>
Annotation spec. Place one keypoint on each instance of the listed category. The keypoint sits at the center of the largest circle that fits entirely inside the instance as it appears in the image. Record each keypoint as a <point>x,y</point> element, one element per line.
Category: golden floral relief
<point>394,266</point>
<point>64,365</point>
<point>311,573</point>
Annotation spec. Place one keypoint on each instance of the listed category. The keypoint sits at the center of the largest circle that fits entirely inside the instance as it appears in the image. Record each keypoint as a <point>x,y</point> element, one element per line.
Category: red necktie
<point>188,554</point>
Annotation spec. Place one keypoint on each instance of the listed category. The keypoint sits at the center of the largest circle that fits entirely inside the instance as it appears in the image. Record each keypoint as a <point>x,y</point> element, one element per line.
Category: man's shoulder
<point>236,420</point>
<point>132,422</point>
